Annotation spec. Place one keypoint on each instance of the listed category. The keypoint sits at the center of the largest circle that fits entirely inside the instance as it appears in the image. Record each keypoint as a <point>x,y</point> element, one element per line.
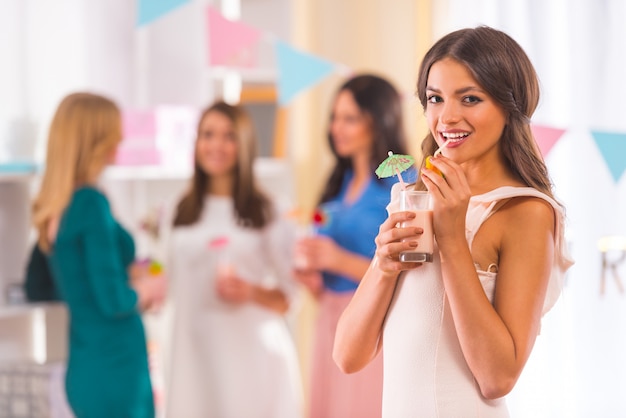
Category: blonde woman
<point>90,255</point>
<point>229,261</point>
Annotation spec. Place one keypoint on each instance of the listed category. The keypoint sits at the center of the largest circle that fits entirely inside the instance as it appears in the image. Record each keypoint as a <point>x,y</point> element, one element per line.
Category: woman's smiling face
<point>460,110</point>
<point>350,128</point>
<point>216,147</point>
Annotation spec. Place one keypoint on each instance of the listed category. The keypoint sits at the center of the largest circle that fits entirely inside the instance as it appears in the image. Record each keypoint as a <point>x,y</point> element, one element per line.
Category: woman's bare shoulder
<point>525,217</point>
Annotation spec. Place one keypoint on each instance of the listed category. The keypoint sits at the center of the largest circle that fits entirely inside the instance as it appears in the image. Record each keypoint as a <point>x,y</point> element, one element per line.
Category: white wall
<point>51,49</point>
<point>11,81</point>
<point>54,48</point>
<point>173,58</point>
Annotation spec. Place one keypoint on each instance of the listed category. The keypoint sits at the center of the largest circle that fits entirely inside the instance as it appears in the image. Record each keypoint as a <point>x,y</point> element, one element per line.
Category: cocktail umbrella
<point>395,164</point>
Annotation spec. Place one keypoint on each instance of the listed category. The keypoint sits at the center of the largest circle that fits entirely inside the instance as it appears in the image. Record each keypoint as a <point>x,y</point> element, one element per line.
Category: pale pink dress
<point>333,393</point>
<point>425,372</point>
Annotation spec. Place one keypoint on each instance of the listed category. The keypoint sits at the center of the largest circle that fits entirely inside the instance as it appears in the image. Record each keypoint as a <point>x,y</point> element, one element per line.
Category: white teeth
<point>457,135</point>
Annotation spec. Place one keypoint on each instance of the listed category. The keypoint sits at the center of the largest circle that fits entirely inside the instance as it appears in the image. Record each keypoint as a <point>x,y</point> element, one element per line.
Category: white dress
<point>425,373</point>
<point>229,361</point>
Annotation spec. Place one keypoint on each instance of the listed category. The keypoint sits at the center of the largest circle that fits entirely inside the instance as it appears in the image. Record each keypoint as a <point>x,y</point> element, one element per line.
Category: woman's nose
<point>450,113</point>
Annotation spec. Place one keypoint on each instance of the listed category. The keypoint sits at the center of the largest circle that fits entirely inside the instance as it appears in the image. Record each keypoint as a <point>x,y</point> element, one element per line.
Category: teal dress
<point>107,370</point>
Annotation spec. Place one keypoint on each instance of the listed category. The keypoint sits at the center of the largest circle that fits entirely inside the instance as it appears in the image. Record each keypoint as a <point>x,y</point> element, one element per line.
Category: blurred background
<point>162,61</point>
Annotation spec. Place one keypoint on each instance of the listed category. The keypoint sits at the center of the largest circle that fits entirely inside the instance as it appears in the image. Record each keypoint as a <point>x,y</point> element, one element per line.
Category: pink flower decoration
<point>320,218</point>
<point>218,242</point>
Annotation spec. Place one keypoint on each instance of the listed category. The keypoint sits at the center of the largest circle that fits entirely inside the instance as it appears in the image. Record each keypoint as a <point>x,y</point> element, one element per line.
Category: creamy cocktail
<point>418,202</point>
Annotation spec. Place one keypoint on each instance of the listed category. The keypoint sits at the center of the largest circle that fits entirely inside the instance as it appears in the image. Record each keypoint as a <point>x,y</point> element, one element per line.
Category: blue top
<point>354,226</point>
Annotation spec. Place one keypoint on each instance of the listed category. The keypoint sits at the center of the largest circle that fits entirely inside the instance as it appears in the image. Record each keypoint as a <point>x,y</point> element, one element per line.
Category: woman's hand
<point>234,290</point>
<point>321,253</point>
<point>311,279</point>
<point>392,240</point>
<point>451,194</point>
<point>137,270</point>
<point>151,289</point>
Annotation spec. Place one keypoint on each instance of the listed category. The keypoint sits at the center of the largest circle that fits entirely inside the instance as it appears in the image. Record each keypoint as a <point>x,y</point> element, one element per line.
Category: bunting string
<point>232,44</point>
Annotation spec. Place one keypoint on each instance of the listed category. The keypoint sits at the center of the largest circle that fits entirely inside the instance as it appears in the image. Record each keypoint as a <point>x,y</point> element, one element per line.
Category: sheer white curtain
<point>578,367</point>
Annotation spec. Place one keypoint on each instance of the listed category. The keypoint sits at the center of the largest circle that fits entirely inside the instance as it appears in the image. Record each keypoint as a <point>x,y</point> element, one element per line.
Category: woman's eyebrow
<point>458,91</point>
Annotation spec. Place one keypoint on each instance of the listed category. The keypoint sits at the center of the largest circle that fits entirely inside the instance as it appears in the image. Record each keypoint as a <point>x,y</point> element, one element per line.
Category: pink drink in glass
<point>418,202</point>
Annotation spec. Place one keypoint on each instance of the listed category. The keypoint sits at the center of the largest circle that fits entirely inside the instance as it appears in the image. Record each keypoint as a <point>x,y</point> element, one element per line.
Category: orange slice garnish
<point>430,166</point>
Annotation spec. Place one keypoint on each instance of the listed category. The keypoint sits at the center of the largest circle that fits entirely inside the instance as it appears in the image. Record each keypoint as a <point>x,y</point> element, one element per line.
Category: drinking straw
<point>402,183</point>
<point>445,144</point>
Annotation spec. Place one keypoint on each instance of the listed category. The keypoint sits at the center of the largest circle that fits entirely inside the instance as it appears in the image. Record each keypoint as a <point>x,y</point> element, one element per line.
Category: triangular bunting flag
<point>546,137</point>
<point>228,38</point>
<point>150,10</point>
<point>298,71</point>
<point>612,145</point>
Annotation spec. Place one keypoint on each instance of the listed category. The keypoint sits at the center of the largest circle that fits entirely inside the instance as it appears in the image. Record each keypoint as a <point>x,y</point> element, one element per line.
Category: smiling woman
<point>366,122</point>
<point>228,255</point>
<point>459,110</point>
<point>457,332</point>
<point>217,145</point>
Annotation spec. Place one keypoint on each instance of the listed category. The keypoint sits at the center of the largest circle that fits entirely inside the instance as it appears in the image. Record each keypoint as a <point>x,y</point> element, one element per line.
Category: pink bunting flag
<point>230,43</point>
<point>546,137</point>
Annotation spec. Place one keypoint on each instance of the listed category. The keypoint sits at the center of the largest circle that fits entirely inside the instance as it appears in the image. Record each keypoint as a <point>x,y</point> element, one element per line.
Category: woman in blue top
<point>366,123</point>
<point>90,256</point>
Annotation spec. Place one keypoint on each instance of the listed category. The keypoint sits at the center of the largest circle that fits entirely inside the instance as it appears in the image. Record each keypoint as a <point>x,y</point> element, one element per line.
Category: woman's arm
<point>273,299</point>
<point>312,280</point>
<point>324,254</point>
<point>497,339</point>
<point>151,289</point>
<point>238,291</point>
<point>359,331</point>
<point>104,267</point>
<point>278,243</point>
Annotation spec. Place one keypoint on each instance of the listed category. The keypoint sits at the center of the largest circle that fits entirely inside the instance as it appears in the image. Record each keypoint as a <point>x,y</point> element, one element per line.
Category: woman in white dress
<point>457,331</point>
<point>229,263</point>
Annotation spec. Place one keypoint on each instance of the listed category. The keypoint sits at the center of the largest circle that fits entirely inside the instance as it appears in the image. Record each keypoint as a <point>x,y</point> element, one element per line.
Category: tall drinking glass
<point>420,203</point>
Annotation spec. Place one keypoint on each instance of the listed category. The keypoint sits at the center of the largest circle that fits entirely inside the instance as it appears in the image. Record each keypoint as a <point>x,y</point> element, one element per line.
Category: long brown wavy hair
<point>504,71</point>
<point>379,99</point>
<point>253,209</point>
<point>84,132</point>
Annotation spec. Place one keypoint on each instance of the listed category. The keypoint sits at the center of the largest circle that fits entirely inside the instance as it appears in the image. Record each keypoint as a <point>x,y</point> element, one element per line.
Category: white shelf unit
<point>16,177</point>
<point>15,227</point>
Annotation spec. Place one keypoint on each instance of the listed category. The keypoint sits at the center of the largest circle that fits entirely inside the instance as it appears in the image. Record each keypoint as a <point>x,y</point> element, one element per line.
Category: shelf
<point>33,333</point>
<point>146,172</point>
<point>23,172</point>
<point>18,171</point>
<point>263,167</point>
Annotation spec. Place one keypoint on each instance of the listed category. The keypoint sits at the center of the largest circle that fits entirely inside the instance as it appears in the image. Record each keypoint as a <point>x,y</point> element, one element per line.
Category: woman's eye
<point>433,99</point>
<point>471,99</point>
